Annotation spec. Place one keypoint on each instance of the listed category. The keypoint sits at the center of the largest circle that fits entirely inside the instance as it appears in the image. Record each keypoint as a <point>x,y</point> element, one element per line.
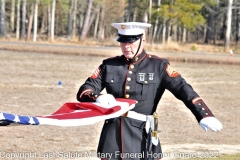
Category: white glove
<point>211,123</point>
<point>107,101</point>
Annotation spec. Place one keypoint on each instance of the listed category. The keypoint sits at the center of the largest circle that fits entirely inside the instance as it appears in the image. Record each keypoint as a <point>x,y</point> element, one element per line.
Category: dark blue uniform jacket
<point>144,79</point>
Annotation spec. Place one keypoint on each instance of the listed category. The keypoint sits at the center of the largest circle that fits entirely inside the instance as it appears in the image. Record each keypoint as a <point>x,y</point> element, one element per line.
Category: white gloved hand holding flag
<point>74,113</point>
<point>211,123</point>
<point>106,100</point>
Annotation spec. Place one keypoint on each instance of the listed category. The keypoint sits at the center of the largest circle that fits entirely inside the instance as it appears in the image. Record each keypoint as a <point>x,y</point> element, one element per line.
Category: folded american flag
<point>71,114</point>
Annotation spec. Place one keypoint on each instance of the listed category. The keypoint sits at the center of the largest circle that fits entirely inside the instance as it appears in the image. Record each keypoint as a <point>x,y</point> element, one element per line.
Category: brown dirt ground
<point>28,86</point>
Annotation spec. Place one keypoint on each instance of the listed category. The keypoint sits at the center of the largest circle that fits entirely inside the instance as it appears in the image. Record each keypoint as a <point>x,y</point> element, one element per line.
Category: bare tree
<point>210,24</point>
<point>150,10</point>
<point>169,34</point>
<point>135,13</point>
<point>96,22</point>
<point>112,11</point>
<point>35,21</point>
<point>150,30</point>
<point>23,26</point>
<point>12,15</point>
<point>44,20</point>
<point>53,19</point>
<point>129,10</point>
<point>164,31</point>
<point>237,23</point>
<point>2,21</point>
<point>86,21</point>
<point>229,20</point>
<point>156,22</point>
<point>74,19</point>
<point>174,32</point>
<point>184,35</point>
<point>92,17</point>
<point>100,34</point>
<point>70,20</point>
<point>18,20</point>
<point>30,22</point>
<point>49,22</point>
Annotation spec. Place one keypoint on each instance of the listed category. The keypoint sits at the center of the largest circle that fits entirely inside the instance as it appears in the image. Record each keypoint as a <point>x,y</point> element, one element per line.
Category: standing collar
<point>136,59</point>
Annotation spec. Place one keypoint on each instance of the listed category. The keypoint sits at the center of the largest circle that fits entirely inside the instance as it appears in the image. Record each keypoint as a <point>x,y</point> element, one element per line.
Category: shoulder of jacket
<point>112,60</point>
<point>109,58</point>
<point>151,56</point>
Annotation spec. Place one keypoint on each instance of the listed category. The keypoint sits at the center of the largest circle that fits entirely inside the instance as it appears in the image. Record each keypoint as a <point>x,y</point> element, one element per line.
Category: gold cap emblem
<point>123,26</point>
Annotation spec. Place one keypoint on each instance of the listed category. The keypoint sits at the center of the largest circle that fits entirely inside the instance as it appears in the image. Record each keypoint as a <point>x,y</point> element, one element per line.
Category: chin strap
<point>138,47</point>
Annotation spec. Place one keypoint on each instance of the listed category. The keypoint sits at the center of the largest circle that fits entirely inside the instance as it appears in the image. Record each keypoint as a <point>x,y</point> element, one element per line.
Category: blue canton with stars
<point>13,118</point>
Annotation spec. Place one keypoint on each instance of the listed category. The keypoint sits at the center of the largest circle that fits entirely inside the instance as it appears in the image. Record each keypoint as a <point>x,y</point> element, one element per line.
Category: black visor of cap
<point>128,38</point>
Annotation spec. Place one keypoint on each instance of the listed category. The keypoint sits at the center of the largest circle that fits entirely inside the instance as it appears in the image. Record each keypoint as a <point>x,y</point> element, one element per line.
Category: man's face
<point>130,49</point>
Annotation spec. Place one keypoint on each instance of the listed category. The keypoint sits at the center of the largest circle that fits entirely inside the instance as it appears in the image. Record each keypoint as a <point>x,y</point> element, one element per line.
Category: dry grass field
<point>28,86</point>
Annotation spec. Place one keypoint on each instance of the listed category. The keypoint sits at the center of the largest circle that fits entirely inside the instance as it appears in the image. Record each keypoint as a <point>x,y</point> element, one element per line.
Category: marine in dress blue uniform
<point>142,77</point>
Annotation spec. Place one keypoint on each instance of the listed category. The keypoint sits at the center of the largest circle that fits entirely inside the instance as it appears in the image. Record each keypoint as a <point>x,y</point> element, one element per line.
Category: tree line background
<point>183,21</point>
